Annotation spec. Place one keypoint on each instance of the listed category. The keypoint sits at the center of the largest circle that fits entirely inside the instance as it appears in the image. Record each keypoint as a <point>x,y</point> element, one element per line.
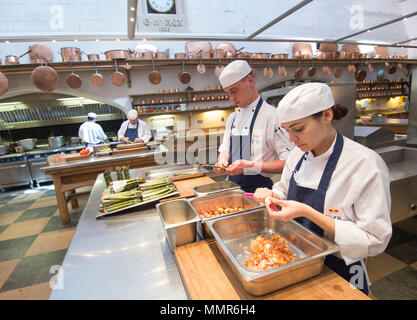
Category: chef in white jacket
<point>254,147</point>
<point>134,130</point>
<point>332,185</point>
<point>91,132</point>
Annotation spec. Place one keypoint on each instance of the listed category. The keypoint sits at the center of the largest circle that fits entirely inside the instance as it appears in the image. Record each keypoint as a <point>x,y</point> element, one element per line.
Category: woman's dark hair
<point>338,112</point>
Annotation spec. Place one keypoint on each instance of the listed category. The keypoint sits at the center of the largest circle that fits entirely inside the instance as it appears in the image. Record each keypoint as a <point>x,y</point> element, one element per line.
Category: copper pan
<point>118,54</point>
<point>45,78</point>
<point>260,55</point>
<point>70,54</point>
<point>268,72</point>
<point>161,55</point>
<point>228,48</point>
<point>244,55</point>
<point>328,47</point>
<point>338,72</point>
<point>4,84</point>
<point>11,59</point>
<point>312,70</point>
<point>180,56</point>
<point>219,69</point>
<point>326,55</point>
<point>97,78</point>
<point>40,53</point>
<point>282,71</point>
<point>117,78</point>
<point>93,57</point>
<point>154,76</point>
<point>217,53</point>
<point>299,72</point>
<point>73,80</point>
<point>147,55</point>
<point>326,70</point>
<point>352,68</point>
<point>280,56</point>
<point>184,76</point>
<point>360,75</point>
<point>201,68</point>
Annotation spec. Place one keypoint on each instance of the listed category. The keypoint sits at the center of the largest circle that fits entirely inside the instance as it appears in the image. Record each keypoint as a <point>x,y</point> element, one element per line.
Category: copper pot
<point>184,76</point>
<point>228,48</point>
<point>117,77</point>
<point>71,54</point>
<point>118,54</point>
<point>40,53</point>
<point>97,79</point>
<point>73,80</point>
<point>244,55</point>
<point>45,78</point>
<point>180,56</point>
<point>161,55</point>
<point>326,55</point>
<point>280,56</point>
<point>93,57</point>
<point>10,59</point>
<point>147,55</point>
<point>260,55</point>
<point>217,53</point>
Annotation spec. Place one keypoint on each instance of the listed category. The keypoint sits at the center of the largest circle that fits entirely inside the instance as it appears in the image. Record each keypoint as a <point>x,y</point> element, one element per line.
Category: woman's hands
<point>238,166</point>
<point>285,210</point>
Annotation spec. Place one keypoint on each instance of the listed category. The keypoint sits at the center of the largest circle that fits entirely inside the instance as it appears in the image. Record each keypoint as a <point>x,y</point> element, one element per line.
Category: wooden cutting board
<point>130,145</point>
<point>76,156</point>
<point>124,150</point>
<point>207,276</point>
<point>184,187</point>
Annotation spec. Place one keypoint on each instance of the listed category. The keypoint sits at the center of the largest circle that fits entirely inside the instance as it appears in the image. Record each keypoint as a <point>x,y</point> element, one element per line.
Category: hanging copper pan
<point>392,69</point>
<point>40,53</point>
<point>282,71</point>
<point>117,78</point>
<point>201,68</point>
<point>312,70</point>
<point>299,72</point>
<point>4,84</point>
<point>154,77</point>
<point>45,78</point>
<point>360,75</point>
<point>326,70</point>
<point>351,67</point>
<point>73,80</point>
<point>184,76</point>
<point>337,72</point>
<point>97,78</point>
<point>268,72</point>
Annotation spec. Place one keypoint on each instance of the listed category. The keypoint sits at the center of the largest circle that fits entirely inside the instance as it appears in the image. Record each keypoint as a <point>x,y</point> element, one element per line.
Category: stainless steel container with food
<point>28,144</point>
<point>174,170</point>
<point>226,199</point>
<point>101,147</point>
<point>56,142</point>
<point>233,233</point>
<point>75,140</point>
<point>220,186</point>
<point>4,149</point>
<point>179,221</point>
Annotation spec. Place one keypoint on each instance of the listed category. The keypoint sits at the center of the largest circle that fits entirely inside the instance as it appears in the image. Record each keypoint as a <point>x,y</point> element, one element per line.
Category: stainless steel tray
<point>221,199</point>
<point>232,233</point>
<point>179,221</point>
<point>210,188</point>
<point>174,170</point>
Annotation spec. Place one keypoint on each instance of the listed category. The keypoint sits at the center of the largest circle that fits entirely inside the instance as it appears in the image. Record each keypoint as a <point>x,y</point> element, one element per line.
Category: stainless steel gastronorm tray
<point>220,186</point>
<point>233,233</point>
<point>230,198</point>
<point>173,170</point>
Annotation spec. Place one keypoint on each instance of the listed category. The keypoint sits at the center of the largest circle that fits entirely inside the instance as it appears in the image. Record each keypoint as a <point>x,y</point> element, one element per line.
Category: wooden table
<point>207,276</point>
<point>77,174</point>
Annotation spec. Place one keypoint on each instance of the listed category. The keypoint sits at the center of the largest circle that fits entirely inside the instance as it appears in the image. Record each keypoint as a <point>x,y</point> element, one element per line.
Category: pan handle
<point>24,53</point>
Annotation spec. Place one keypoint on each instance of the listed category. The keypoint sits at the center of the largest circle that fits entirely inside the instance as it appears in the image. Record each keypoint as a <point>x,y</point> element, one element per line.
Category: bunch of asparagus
<point>113,201</point>
<point>130,183</point>
<point>156,188</point>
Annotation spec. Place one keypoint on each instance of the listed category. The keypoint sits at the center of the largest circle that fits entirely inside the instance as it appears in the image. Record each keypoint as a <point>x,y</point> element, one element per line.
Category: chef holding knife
<point>254,146</point>
<point>332,185</point>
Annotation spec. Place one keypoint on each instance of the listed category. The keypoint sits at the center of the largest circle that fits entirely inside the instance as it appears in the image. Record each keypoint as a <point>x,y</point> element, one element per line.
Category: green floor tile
<point>13,206</point>
<point>15,248</point>
<point>55,222</point>
<point>401,285</point>
<point>4,227</point>
<point>32,214</point>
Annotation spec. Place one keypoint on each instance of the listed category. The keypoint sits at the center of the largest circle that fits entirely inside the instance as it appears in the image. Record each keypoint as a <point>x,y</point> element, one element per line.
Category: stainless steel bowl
<point>233,233</point>
<point>179,221</point>
<point>220,186</point>
<point>28,144</point>
<point>101,147</point>
<point>56,142</point>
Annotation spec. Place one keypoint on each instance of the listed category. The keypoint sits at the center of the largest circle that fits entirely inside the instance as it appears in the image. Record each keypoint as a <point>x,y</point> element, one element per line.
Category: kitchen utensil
<point>279,56</point>
<point>154,77</point>
<point>351,67</point>
<point>194,48</point>
<point>228,48</point>
<point>147,55</point>
<point>370,67</point>
<point>161,55</point>
<point>39,53</point>
<point>214,187</point>
<point>101,147</point>
<point>360,75</point>
<point>97,79</point>
<point>28,144</point>
<point>268,72</point>
<point>299,72</point>
<point>219,69</point>
<point>380,75</point>
<point>201,68</point>
<point>75,140</point>
<point>180,56</point>
<point>71,54</point>
<point>326,70</point>
<point>93,57</point>
<point>392,69</point>
<point>117,78</point>
<point>328,47</point>
<point>282,71</point>
<point>11,59</point>
<point>184,76</point>
<point>338,72</point>
<point>312,70</point>
<point>56,142</point>
<point>45,78</point>
<point>4,84</point>
<point>299,49</point>
<point>118,54</point>
<point>73,80</point>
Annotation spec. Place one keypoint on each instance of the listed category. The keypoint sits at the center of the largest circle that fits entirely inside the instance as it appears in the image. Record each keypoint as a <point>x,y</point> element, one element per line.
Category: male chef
<point>91,132</point>
<point>134,130</point>
<point>254,145</point>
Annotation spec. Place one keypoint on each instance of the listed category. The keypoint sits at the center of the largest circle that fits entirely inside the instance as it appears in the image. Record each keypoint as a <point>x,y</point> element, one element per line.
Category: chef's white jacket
<point>269,141</point>
<point>143,130</point>
<point>91,133</point>
<point>358,196</point>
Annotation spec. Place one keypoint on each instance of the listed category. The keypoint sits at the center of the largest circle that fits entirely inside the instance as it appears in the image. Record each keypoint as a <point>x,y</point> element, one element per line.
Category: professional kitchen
<point>222,150</point>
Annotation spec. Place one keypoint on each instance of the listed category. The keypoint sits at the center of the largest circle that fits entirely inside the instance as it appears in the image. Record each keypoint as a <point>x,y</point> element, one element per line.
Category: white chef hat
<point>92,115</point>
<point>233,72</point>
<point>132,114</point>
<point>305,100</point>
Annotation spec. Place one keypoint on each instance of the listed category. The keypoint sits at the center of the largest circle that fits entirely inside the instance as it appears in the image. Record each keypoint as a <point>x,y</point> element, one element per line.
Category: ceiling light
<point>54,40</point>
<point>97,40</point>
<point>76,40</point>
<point>132,19</point>
<point>405,19</point>
<point>132,8</point>
<point>7,41</point>
<point>117,39</point>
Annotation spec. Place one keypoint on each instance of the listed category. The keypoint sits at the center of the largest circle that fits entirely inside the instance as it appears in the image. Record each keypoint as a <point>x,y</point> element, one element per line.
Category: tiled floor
<point>33,240</point>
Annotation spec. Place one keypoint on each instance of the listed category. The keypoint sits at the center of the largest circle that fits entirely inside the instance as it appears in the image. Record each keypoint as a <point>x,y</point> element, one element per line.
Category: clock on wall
<point>161,6</point>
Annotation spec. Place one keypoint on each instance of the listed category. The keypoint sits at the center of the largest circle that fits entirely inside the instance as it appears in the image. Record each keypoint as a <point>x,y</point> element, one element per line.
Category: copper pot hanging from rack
<point>268,72</point>
<point>219,69</point>
<point>337,72</point>
<point>311,70</point>
<point>184,76</point>
<point>154,76</point>
<point>117,77</point>
<point>73,80</point>
<point>4,84</point>
<point>45,78</point>
<point>97,79</point>
<point>299,71</point>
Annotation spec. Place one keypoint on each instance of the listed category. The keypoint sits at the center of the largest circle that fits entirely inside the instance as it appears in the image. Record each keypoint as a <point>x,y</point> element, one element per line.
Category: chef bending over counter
<point>134,130</point>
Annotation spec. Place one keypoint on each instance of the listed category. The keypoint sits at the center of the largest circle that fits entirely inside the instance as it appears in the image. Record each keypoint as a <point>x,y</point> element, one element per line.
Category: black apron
<point>240,148</point>
<point>315,199</point>
<point>132,133</point>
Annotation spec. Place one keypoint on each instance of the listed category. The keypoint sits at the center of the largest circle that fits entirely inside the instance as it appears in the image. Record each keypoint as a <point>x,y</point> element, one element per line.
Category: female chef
<point>332,185</point>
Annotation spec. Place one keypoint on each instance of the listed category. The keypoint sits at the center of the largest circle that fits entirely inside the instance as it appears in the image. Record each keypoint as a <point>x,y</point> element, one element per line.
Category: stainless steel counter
<point>122,256</point>
<point>387,122</point>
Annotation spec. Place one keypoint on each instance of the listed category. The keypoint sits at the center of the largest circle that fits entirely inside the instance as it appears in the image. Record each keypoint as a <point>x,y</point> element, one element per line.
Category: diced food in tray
<point>219,211</point>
